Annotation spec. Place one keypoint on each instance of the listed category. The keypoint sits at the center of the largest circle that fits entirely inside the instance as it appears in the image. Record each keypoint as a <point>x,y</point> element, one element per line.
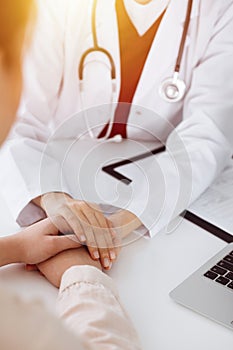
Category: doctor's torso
<point>73,36</point>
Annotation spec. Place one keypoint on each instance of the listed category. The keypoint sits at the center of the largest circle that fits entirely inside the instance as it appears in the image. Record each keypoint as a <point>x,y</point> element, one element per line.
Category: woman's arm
<point>35,244</point>
<point>105,241</point>
<point>86,220</point>
<point>28,325</point>
<point>88,302</point>
<point>9,253</point>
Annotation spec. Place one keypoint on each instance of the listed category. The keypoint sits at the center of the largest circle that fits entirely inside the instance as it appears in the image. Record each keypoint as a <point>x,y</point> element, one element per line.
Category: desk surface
<point>145,273</point>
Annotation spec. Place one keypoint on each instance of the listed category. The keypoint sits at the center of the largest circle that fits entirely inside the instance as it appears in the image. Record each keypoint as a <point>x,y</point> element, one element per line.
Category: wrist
<point>10,252</point>
<point>44,199</point>
<point>125,221</point>
<point>51,198</point>
<point>37,201</point>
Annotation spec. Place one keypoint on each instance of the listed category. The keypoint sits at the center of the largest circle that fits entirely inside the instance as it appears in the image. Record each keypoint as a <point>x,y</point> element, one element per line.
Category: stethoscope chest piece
<point>172,89</point>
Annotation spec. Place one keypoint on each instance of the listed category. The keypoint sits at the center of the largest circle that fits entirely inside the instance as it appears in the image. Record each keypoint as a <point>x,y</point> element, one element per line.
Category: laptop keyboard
<point>222,272</point>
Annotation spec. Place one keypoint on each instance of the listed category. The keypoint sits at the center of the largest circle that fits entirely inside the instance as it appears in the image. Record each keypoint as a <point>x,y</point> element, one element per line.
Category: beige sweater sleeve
<point>89,304</point>
<point>28,325</point>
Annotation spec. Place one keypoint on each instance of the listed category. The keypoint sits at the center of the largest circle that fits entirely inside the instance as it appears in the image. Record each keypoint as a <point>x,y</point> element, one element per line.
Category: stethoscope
<point>171,89</point>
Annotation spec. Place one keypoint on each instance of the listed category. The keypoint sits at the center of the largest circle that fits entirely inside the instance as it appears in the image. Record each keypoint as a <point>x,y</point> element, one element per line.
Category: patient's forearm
<point>9,251</point>
<point>89,298</point>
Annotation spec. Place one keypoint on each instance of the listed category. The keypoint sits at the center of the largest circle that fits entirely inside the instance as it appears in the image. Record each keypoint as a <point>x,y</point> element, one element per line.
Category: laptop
<point>209,290</point>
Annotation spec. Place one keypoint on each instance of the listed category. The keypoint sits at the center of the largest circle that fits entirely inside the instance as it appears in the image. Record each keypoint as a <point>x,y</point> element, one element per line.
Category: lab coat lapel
<point>163,54</point>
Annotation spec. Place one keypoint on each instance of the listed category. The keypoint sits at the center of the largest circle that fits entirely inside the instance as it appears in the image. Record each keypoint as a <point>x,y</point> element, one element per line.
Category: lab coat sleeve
<point>199,148</point>
<point>89,304</point>
<point>21,157</point>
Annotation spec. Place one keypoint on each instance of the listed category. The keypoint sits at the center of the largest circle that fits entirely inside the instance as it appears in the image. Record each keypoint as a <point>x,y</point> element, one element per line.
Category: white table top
<point>145,273</point>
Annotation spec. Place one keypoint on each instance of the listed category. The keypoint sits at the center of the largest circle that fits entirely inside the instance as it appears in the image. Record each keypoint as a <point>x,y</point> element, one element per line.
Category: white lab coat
<point>203,119</point>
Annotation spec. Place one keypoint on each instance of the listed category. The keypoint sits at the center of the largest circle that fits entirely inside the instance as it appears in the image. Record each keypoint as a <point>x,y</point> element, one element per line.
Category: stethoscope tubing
<point>171,89</point>
<point>96,47</point>
<point>184,36</point>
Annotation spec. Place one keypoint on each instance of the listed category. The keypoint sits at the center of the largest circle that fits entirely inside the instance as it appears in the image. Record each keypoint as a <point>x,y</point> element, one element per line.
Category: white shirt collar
<point>144,16</point>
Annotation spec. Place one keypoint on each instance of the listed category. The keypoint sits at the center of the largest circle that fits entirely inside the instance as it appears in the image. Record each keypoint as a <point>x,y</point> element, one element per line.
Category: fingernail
<point>109,267</point>
<point>106,262</point>
<point>112,255</point>
<point>96,255</point>
<point>83,238</point>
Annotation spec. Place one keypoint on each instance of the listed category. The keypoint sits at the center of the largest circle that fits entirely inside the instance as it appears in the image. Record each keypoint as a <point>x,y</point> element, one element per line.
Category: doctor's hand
<point>40,242</point>
<point>54,268</point>
<point>124,222</point>
<point>87,221</point>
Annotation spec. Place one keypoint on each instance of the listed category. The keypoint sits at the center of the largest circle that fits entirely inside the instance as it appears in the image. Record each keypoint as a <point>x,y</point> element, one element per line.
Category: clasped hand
<point>87,222</point>
<point>40,242</point>
<point>53,254</point>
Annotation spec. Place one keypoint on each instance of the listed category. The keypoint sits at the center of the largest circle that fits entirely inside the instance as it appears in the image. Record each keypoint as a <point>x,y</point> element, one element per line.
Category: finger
<point>70,215</point>
<point>45,226</point>
<point>105,257</point>
<point>91,242</point>
<point>62,243</point>
<point>117,239</point>
<point>118,244</point>
<point>30,268</point>
<point>107,232</point>
<point>99,236</point>
<point>116,236</point>
<point>81,224</point>
<point>61,224</point>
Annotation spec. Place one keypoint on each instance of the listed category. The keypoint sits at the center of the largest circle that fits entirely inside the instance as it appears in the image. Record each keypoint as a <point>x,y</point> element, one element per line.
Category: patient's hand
<point>54,268</point>
<point>35,244</point>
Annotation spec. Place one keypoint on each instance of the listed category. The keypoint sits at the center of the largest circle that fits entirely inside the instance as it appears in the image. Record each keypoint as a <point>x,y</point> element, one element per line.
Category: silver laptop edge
<point>206,296</point>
